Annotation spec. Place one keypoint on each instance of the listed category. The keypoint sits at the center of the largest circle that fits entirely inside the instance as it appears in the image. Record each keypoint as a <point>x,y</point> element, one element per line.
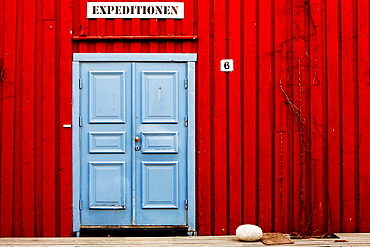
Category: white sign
<point>227,65</point>
<point>163,10</point>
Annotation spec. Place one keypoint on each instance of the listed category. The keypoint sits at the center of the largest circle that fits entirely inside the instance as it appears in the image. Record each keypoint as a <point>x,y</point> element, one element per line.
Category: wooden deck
<point>353,239</point>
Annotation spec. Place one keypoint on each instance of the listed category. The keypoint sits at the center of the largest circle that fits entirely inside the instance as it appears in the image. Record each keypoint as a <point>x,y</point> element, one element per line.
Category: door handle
<point>137,139</point>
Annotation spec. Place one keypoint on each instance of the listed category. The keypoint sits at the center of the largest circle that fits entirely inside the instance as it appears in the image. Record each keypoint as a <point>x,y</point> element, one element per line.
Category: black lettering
<point>138,9</point>
<point>95,10</point>
<point>174,8</point>
<point>103,10</point>
<point>150,10</point>
<point>118,10</point>
<point>159,9</point>
<point>126,10</point>
<point>167,10</point>
<point>110,9</point>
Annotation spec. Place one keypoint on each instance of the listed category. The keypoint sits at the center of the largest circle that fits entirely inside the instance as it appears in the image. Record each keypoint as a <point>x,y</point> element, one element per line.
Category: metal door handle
<point>137,139</point>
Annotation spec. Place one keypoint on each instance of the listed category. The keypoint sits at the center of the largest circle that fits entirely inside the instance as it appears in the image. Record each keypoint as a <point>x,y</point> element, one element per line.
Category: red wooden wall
<point>35,101</point>
<point>282,142</point>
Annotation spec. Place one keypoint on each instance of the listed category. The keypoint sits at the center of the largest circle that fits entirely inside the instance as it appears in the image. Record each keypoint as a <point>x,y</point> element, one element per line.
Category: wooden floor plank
<point>353,239</point>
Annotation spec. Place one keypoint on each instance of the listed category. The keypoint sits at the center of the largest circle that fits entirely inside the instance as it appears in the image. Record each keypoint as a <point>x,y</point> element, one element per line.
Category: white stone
<point>249,233</point>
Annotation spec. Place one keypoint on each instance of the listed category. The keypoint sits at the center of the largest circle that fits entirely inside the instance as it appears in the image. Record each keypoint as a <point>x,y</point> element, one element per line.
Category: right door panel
<point>160,126</point>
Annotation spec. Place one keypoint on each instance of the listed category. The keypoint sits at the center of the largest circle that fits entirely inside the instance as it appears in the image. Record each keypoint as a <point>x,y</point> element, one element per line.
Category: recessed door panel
<point>107,142</point>
<point>160,142</point>
<point>160,185</point>
<point>107,96</point>
<point>107,187</point>
<point>159,96</point>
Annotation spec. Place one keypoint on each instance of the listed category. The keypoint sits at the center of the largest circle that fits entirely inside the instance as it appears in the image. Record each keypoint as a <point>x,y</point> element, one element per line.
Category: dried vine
<point>2,72</point>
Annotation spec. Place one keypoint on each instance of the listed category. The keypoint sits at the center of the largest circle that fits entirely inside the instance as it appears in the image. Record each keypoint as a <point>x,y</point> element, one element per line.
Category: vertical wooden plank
<point>170,30</point>
<point>281,9</point>
<point>28,119</point>
<point>48,118</point>
<point>162,31</point>
<point>304,88</point>
<point>299,226</point>
<point>281,189</point>
<point>287,85</point>
<point>356,113</point>
<point>127,30</point>
<point>144,30</point>
<point>135,46</point>
<point>49,130</point>
<point>57,165</point>
<point>17,155</point>
<point>2,41</point>
<point>153,30</point>
<point>265,114</point>
<point>65,139</point>
<point>83,23</point>
<point>364,111</point>
<point>100,46</point>
<point>39,206</point>
<point>118,26</point>
<point>249,132</point>
<point>2,70</point>
<point>300,113</point>
<point>7,124</point>
<point>109,30</point>
<point>333,81</point>
<point>135,30</point>
<point>234,125</point>
<point>188,23</point>
<point>348,117</point>
<point>58,140</point>
<point>219,183</point>
<point>316,84</point>
<point>204,122</point>
<point>281,40</point>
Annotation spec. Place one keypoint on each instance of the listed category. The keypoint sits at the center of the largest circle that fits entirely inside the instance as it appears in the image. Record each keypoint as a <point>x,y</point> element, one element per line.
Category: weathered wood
<point>351,238</point>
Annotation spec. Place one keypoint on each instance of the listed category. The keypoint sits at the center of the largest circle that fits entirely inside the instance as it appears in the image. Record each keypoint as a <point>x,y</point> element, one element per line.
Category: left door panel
<point>105,131</point>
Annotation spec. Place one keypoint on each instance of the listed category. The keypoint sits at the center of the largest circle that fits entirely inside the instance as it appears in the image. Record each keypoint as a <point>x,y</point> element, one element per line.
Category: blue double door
<point>133,144</point>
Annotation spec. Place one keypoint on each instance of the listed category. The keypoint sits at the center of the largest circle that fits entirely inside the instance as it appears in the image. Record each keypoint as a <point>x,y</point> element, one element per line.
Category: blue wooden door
<point>133,144</point>
<point>161,147</point>
<point>105,127</point>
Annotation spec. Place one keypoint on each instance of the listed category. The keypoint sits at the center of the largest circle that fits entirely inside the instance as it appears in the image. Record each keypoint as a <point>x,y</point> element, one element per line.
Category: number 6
<point>227,65</point>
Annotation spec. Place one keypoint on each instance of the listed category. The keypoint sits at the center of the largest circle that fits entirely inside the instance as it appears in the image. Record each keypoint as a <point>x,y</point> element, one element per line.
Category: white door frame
<point>190,59</point>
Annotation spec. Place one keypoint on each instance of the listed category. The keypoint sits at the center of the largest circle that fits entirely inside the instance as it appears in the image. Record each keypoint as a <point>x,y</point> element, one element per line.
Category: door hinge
<point>186,84</point>
<point>186,204</point>
<point>186,121</point>
<point>80,83</point>
<point>80,204</point>
<point>80,121</point>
